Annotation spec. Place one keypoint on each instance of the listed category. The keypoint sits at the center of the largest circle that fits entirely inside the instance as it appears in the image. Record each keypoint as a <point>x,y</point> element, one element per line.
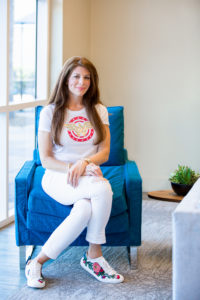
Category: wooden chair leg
<point>25,252</point>
<point>132,256</point>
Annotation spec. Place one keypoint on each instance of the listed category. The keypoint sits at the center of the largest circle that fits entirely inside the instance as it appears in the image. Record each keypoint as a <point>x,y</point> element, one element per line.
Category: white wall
<point>56,40</point>
<point>148,57</point>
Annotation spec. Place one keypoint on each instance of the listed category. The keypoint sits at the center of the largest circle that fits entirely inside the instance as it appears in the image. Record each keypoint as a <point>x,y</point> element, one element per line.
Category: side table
<point>166,195</point>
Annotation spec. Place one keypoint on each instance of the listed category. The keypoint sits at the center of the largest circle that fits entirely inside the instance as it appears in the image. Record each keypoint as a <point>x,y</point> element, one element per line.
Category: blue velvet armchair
<point>37,215</point>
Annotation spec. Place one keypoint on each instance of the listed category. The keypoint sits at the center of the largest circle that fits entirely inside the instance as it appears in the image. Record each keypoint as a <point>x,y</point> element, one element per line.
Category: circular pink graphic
<point>80,129</point>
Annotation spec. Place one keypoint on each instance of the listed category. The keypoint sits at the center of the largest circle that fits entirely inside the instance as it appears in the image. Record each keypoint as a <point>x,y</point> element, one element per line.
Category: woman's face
<point>79,81</point>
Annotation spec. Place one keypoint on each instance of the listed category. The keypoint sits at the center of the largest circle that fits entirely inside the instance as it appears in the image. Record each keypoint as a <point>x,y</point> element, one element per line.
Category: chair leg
<point>25,252</point>
<point>132,256</point>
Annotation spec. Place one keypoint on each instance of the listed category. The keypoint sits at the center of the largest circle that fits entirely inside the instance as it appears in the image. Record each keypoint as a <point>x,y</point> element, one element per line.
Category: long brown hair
<point>60,97</point>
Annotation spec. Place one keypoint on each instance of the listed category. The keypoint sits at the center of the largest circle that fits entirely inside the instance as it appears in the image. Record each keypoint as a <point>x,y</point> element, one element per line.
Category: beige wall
<point>76,28</point>
<point>70,33</point>
<point>147,54</point>
<point>148,57</point>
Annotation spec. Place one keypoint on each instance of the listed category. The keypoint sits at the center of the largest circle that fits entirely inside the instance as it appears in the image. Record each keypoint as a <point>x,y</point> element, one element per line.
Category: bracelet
<point>88,160</point>
<point>67,167</point>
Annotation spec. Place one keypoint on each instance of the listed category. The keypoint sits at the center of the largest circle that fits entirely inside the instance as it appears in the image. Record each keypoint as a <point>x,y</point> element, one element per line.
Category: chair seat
<point>40,202</point>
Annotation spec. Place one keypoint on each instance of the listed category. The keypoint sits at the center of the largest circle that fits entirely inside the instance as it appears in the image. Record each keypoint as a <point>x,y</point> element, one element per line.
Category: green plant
<point>184,175</point>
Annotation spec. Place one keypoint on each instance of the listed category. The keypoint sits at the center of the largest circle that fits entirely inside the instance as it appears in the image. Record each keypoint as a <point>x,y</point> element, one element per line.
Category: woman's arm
<point>104,149</point>
<point>50,162</point>
<point>46,156</point>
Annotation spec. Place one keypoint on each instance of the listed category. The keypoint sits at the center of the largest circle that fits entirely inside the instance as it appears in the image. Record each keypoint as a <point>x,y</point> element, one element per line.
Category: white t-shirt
<point>77,135</point>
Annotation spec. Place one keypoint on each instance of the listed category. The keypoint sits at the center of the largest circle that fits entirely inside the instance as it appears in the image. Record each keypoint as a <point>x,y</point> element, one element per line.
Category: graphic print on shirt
<point>80,129</point>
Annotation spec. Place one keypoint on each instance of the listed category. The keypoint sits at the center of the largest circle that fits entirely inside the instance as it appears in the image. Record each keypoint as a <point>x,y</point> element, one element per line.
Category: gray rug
<point>152,280</point>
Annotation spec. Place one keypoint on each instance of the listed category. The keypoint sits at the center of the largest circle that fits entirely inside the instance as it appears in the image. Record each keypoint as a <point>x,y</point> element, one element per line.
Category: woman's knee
<point>103,189</point>
<point>82,208</point>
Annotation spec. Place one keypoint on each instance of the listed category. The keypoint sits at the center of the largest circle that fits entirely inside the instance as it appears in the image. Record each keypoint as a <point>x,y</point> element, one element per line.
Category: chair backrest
<point>116,119</point>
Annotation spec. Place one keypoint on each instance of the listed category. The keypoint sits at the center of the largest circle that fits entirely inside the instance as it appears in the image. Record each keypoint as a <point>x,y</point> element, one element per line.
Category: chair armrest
<point>133,185</point>
<point>23,182</point>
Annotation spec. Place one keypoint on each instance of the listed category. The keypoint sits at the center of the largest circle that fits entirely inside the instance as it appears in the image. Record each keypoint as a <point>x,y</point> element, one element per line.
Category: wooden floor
<point>11,277</point>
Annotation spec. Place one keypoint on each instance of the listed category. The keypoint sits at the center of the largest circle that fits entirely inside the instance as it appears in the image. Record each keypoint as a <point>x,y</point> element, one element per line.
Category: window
<point>22,51</point>
<point>20,145</point>
<point>23,85</point>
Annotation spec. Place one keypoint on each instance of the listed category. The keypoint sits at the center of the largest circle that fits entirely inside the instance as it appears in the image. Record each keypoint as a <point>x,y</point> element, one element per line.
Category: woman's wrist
<point>87,160</point>
<point>68,166</point>
<point>83,161</point>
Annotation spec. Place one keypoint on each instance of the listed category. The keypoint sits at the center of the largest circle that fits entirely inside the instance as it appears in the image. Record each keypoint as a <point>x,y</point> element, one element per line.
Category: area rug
<point>152,280</point>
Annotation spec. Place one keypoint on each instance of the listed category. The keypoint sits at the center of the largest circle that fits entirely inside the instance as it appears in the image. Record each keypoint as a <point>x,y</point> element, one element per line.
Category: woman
<point>74,139</point>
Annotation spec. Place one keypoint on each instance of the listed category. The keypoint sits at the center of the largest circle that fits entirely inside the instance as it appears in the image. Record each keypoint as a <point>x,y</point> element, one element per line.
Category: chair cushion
<point>44,223</point>
<point>40,202</point>
<point>116,120</point>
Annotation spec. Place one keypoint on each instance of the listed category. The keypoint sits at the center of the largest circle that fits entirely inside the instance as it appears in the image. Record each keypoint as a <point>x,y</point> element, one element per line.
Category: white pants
<point>92,200</point>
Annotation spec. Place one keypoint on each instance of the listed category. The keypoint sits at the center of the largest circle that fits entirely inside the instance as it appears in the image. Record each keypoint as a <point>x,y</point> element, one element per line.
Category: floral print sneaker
<point>100,269</point>
<point>33,274</point>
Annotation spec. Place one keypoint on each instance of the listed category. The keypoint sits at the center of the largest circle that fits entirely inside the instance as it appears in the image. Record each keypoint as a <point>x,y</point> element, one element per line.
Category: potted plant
<point>182,179</point>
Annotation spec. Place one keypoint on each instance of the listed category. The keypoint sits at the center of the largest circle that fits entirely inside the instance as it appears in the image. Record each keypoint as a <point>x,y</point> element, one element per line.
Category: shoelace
<point>107,268</point>
<point>35,270</point>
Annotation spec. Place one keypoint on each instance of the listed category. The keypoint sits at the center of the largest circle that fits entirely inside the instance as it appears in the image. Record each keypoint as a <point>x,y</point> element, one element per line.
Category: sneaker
<point>34,275</point>
<point>100,269</point>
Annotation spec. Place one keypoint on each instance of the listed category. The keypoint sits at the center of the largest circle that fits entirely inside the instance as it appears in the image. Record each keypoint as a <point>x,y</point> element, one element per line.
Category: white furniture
<point>186,246</point>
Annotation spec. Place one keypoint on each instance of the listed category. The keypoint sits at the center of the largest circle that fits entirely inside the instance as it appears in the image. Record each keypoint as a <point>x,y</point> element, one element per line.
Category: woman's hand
<point>75,171</point>
<point>93,170</point>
